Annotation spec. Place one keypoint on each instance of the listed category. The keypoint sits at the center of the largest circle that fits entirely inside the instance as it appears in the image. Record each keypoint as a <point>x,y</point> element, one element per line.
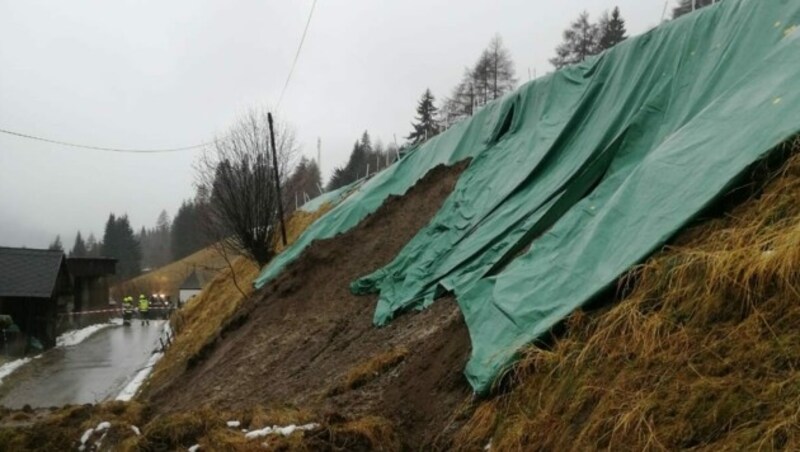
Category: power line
<point>101,148</point>
<point>180,149</point>
<point>297,55</point>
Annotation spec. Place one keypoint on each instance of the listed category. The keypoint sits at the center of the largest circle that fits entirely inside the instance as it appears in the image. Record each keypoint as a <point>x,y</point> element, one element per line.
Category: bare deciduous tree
<point>236,178</point>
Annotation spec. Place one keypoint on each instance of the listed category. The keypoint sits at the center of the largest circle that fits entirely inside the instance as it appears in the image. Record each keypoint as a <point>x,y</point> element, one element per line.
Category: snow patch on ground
<point>136,430</point>
<point>85,437</point>
<point>234,424</point>
<point>75,337</point>
<point>194,448</point>
<point>101,427</point>
<point>276,430</point>
<point>133,386</point>
<point>9,367</point>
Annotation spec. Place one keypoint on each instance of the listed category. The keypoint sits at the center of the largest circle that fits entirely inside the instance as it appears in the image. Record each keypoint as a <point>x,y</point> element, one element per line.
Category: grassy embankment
<point>702,351</point>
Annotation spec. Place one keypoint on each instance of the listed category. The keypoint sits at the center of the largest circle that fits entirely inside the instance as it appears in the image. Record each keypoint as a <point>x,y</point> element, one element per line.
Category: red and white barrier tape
<point>102,311</point>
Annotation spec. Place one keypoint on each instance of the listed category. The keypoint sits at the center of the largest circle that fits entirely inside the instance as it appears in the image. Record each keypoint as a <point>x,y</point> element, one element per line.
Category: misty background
<point>146,74</point>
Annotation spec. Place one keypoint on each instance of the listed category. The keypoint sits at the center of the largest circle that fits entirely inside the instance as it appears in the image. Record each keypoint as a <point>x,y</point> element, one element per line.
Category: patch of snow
<point>102,426</point>
<point>234,424</point>
<point>9,367</point>
<point>75,337</point>
<point>194,448</point>
<point>136,430</point>
<point>133,386</point>
<point>85,437</point>
<point>100,441</point>
<point>488,446</point>
<point>285,431</point>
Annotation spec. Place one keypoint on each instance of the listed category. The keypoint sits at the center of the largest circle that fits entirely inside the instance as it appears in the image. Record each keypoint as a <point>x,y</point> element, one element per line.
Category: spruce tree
<point>612,30</point>
<point>55,245</point>
<point>93,249</point>
<point>120,243</point>
<point>356,166</point>
<point>304,181</point>
<point>79,248</point>
<point>426,125</point>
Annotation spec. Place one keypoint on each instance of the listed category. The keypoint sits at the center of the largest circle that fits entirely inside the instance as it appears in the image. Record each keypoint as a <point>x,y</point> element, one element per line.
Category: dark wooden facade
<point>43,292</point>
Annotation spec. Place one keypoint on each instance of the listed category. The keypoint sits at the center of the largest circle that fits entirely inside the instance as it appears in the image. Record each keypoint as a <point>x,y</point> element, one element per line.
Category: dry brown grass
<point>169,278</point>
<point>199,323</point>
<point>370,369</point>
<point>702,352</point>
<point>61,429</point>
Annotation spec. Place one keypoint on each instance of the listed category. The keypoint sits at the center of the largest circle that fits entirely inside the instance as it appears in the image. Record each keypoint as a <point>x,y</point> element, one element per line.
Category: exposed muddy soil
<point>298,337</point>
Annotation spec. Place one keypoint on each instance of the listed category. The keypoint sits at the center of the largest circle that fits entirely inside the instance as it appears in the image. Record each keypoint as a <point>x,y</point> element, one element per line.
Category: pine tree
<point>612,30</point>
<point>186,234</point>
<point>366,142</point>
<point>79,248</point>
<point>338,179</point>
<point>685,6</point>
<point>120,243</point>
<point>356,166</point>
<point>426,125</point>
<point>359,158</point>
<point>163,253</point>
<point>303,182</point>
<point>581,40</point>
<point>93,249</point>
<point>55,245</point>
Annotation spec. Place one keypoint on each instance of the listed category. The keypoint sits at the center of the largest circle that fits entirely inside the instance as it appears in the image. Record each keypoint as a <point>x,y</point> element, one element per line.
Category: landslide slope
<point>305,341</point>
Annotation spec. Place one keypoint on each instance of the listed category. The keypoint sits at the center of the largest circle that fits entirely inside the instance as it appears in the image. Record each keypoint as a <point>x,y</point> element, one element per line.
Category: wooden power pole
<point>277,177</point>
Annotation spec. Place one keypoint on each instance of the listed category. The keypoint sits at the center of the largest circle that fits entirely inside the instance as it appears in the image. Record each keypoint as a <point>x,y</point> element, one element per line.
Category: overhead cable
<point>297,54</point>
<point>102,148</point>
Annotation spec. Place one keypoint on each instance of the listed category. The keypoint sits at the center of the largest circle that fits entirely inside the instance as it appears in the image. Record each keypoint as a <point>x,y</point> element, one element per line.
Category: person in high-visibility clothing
<point>144,309</point>
<point>127,310</point>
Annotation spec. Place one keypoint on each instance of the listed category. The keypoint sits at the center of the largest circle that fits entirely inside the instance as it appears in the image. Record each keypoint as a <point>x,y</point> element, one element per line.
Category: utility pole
<point>319,153</point>
<point>277,177</point>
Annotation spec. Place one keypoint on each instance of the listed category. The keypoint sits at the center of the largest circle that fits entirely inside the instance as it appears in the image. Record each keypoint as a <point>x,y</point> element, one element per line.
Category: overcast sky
<point>156,74</point>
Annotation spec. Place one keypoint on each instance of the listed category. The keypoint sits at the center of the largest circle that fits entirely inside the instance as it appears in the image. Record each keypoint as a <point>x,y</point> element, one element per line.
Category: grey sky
<point>144,74</point>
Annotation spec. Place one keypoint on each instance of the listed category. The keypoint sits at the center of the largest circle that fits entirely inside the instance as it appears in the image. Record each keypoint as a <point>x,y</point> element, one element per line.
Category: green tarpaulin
<point>579,175</point>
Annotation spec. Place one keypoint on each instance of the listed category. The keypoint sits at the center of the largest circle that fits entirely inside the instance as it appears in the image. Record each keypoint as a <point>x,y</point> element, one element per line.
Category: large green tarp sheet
<point>591,168</point>
<point>464,140</point>
<point>601,164</point>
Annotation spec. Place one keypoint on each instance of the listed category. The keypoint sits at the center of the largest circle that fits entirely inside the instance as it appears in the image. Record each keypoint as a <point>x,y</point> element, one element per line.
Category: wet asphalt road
<point>94,370</point>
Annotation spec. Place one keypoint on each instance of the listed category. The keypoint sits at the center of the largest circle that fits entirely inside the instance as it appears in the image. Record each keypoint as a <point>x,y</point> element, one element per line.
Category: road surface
<point>92,371</point>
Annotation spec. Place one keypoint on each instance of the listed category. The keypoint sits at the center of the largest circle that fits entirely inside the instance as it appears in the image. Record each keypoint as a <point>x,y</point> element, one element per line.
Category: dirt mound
<point>305,340</point>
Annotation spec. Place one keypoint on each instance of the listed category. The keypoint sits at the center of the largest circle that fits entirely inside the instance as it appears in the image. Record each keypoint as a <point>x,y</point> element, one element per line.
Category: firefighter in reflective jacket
<point>127,310</point>
<point>144,309</point>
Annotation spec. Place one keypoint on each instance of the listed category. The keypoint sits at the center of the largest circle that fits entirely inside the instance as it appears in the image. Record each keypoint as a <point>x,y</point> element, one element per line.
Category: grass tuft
<point>702,351</point>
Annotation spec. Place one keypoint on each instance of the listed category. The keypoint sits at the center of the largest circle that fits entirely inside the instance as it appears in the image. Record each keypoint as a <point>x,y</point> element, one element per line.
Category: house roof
<point>191,282</point>
<point>29,273</point>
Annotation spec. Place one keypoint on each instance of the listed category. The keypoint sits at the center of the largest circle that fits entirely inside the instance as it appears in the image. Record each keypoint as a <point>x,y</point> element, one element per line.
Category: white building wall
<point>185,294</point>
